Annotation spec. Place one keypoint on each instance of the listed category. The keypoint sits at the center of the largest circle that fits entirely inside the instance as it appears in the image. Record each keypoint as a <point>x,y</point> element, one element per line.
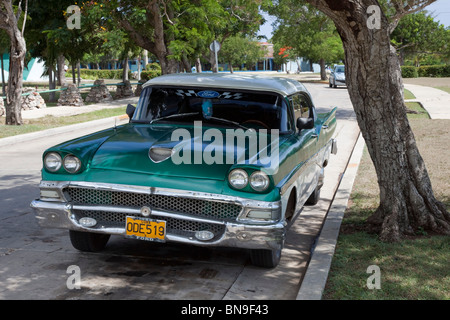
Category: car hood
<point>149,149</point>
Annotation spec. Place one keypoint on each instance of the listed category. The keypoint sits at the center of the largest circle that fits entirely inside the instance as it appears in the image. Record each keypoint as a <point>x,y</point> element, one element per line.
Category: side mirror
<point>305,123</point>
<point>130,110</point>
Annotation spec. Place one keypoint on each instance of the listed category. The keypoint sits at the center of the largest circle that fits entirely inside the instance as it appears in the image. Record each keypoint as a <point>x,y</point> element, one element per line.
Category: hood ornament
<point>159,154</point>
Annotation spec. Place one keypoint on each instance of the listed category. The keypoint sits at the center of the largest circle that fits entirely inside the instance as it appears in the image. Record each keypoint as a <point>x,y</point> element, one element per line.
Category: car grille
<point>209,209</point>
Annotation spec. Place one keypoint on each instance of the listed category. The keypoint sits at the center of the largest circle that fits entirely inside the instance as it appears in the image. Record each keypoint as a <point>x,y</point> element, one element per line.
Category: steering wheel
<point>262,124</point>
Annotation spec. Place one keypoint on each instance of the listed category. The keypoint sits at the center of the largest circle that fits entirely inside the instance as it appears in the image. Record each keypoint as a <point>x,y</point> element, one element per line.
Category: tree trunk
<point>15,81</point>
<point>323,72</point>
<point>125,69</point>
<point>78,73</point>
<point>51,83</point>
<point>198,65</point>
<point>3,77</point>
<point>74,78</point>
<point>61,72</point>
<point>373,76</point>
<point>9,23</point>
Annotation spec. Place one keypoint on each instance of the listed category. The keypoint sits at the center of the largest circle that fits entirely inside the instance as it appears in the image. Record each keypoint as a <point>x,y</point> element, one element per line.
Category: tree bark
<point>9,22</point>
<point>51,83</point>
<point>61,72</point>
<point>373,76</point>
<point>323,72</point>
<point>3,76</point>
<point>158,44</point>
<point>125,69</point>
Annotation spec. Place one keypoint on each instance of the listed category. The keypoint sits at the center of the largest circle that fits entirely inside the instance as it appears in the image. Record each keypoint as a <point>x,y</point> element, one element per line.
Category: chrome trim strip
<point>137,212</point>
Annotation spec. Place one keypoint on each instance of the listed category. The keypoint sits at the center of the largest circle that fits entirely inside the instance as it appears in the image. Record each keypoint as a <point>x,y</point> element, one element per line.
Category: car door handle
<point>314,135</point>
<point>324,127</point>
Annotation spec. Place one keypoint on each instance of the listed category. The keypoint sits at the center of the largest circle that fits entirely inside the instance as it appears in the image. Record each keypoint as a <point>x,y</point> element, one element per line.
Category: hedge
<point>436,71</point>
<point>147,75</point>
<point>93,74</point>
<point>409,72</point>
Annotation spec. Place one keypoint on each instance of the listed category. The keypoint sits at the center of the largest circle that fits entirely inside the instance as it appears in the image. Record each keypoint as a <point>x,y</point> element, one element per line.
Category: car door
<point>308,138</point>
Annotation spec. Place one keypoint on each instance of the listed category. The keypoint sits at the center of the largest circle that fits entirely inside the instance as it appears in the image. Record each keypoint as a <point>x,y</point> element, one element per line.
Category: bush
<point>154,66</point>
<point>435,71</point>
<point>409,72</point>
<point>147,75</point>
<point>93,74</point>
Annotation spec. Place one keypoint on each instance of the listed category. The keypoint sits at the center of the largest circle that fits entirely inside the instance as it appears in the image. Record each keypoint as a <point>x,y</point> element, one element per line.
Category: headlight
<point>259,181</point>
<point>52,162</point>
<point>71,163</point>
<point>238,178</point>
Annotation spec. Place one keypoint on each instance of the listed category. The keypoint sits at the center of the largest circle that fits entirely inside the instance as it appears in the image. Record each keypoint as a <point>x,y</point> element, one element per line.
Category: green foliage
<point>92,74</point>
<point>153,67</point>
<point>435,71</point>
<point>308,32</point>
<point>151,71</point>
<point>409,72</point>
<point>417,37</point>
<point>239,50</point>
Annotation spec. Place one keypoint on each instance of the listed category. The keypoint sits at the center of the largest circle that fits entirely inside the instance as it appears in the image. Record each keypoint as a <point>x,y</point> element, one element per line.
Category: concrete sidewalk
<point>435,101</point>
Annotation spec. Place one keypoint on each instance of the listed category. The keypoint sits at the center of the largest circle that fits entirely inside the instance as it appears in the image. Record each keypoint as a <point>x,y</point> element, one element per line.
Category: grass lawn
<point>415,268</point>
<point>446,89</point>
<point>53,122</point>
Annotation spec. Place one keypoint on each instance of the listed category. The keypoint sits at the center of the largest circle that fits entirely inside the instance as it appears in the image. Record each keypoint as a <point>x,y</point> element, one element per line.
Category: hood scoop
<point>159,154</point>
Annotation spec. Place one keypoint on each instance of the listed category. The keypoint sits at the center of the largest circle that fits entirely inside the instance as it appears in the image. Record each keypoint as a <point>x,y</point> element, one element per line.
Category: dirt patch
<point>429,82</point>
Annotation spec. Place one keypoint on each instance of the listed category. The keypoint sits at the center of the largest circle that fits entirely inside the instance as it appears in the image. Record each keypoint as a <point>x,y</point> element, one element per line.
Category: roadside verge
<point>101,123</point>
<point>316,276</point>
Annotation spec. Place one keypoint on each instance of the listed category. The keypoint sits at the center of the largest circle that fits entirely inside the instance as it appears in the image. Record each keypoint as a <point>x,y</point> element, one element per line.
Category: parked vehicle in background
<point>337,76</point>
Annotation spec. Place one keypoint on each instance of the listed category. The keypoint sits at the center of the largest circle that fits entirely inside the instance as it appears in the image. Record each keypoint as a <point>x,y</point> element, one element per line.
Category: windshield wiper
<point>227,121</point>
<point>175,116</point>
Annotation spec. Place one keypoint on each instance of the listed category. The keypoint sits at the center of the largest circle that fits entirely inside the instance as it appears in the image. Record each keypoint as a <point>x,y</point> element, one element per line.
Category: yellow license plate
<point>145,229</point>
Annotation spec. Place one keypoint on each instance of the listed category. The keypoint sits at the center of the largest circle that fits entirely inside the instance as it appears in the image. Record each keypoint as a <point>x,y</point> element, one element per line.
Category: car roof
<point>229,81</point>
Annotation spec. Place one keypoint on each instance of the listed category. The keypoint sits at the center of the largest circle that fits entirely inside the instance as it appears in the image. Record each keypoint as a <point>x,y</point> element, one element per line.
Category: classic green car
<point>206,159</point>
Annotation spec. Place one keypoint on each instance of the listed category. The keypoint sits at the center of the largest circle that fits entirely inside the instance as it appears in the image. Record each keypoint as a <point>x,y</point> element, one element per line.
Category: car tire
<point>265,258</point>
<point>87,241</point>
<point>331,85</point>
<point>314,197</point>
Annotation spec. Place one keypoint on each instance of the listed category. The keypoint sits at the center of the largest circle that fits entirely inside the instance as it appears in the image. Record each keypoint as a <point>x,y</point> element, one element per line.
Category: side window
<point>301,106</point>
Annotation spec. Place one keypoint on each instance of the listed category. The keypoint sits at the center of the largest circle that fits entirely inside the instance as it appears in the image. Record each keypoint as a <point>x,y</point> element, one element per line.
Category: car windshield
<point>340,69</point>
<point>218,107</point>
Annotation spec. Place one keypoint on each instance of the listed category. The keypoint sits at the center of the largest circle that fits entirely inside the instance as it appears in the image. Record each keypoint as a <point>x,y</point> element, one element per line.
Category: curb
<point>59,130</point>
<point>316,275</point>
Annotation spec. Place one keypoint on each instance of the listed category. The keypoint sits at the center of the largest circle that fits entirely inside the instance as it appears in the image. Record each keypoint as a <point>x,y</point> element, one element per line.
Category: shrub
<point>93,74</point>
<point>154,66</point>
<point>409,72</point>
<point>147,75</point>
<point>434,71</point>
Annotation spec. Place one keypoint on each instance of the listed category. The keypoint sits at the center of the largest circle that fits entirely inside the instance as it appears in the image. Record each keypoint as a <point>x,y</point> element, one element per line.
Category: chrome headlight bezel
<point>259,181</point>
<point>71,163</point>
<point>238,175</point>
<point>57,159</point>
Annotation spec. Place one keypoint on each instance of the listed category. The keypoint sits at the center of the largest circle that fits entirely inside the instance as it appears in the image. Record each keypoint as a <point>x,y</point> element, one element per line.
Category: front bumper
<point>56,209</point>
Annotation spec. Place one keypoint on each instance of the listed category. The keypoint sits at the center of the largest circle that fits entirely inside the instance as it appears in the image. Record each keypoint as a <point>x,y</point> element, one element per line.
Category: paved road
<point>35,263</point>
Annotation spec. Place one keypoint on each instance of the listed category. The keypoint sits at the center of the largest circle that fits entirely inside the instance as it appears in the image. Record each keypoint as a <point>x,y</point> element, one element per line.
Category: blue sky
<point>440,10</point>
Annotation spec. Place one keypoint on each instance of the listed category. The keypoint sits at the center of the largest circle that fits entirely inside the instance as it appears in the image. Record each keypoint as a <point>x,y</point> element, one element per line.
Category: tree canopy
<point>307,31</point>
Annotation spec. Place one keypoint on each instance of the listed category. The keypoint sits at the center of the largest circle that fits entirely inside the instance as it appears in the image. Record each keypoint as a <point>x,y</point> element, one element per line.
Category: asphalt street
<point>37,263</point>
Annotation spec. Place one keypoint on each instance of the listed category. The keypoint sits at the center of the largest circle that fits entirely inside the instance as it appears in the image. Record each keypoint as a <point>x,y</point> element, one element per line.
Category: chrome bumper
<point>54,211</point>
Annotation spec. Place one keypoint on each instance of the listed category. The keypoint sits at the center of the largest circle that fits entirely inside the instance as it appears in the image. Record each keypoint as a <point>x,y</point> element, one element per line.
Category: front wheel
<point>87,241</point>
<point>265,258</point>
